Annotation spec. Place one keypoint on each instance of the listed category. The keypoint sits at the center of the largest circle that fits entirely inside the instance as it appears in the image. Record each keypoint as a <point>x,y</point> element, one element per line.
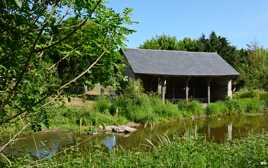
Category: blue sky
<point>241,21</point>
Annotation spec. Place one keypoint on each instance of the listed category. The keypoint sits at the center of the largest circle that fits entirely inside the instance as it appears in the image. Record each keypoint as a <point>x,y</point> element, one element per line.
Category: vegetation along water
<point>53,54</point>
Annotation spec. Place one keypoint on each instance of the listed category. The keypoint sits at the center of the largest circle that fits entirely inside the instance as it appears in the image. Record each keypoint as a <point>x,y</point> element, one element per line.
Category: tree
<point>220,45</point>
<point>213,43</point>
<point>37,37</point>
<point>252,63</point>
<point>163,42</point>
<point>87,40</point>
<point>253,67</point>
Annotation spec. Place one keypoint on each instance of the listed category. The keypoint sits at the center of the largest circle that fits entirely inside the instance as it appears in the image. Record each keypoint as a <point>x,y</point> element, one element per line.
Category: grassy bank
<point>142,108</point>
<point>250,152</point>
<point>243,102</point>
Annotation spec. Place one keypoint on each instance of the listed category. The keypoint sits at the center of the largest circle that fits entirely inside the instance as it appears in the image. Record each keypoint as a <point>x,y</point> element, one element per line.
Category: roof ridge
<point>171,50</point>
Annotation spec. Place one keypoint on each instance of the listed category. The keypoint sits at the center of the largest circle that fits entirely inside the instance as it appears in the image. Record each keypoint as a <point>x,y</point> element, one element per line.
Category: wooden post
<point>173,93</point>
<point>101,90</point>
<point>209,80</point>
<point>187,90</point>
<point>229,89</point>
<point>164,90</point>
<point>85,89</point>
<point>159,87</point>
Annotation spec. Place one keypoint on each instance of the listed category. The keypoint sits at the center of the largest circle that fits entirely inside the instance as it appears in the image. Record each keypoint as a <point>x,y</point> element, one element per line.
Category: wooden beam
<point>85,89</point>
<point>173,93</point>
<point>159,87</point>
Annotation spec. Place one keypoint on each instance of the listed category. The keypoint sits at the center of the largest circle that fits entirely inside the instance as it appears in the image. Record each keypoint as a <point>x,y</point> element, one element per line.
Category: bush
<point>137,106</point>
<point>164,109</point>
<point>254,105</point>
<point>245,105</point>
<point>72,117</point>
<point>217,108</point>
<point>103,105</point>
<point>190,108</point>
<point>95,118</point>
<point>139,109</point>
<point>134,88</point>
<point>259,94</point>
<point>235,106</point>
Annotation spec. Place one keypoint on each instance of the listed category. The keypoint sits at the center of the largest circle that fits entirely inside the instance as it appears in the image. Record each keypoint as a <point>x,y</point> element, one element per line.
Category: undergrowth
<point>197,153</point>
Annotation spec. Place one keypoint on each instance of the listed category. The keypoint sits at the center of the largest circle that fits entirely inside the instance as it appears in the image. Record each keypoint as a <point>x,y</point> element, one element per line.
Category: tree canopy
<point>250,62</point>
<point>47,46</point>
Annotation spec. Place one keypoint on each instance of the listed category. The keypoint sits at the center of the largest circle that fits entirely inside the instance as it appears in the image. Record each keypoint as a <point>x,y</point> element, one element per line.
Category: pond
<point>46,144</point>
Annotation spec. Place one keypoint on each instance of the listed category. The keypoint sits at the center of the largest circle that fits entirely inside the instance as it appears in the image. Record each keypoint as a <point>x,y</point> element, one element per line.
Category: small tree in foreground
<point>46,46</point>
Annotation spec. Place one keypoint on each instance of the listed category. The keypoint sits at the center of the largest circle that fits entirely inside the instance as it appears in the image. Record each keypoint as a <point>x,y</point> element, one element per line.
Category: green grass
<point>144,109</point>
<point>251,152</point>
<point>135,105</point>
<point>217,108</point>
<point>244,93</point>
<point>75,118</point>
<point>191,108</point>
<point>240,104</point>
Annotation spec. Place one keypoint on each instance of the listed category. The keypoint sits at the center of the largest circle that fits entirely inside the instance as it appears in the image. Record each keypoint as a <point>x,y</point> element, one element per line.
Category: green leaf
<point>19,3</point>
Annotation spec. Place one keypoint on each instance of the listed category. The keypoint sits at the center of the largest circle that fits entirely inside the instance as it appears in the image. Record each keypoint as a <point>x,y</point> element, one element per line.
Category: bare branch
<point>67,55</point>
<point>84,72</point>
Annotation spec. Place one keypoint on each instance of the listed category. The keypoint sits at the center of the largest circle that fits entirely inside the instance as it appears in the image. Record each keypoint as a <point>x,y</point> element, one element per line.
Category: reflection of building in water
<point>230,131</point>
<point>220,133</point>
<point>195,130</point>
<point>109,141</point>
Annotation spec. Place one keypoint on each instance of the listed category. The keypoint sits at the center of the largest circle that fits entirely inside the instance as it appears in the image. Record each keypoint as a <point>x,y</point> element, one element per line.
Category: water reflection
<point>109,141</point>
<point>46,152</point>
<point>46,144</point>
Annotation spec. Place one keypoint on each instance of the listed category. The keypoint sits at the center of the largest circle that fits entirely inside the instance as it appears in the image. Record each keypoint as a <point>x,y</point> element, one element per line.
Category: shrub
<point>235,106</point>
<point>246,105</point>
<point>254,105</point>
<point>134,88</point>
<point>74,116</point>
<point>103,105</point>
<point>189,108</point>
<point>142,108</point>
<point>95,118</point>
<point>139,109</point>
<point>217,108</point>
<point>259,94</point>
<point>164,109</point>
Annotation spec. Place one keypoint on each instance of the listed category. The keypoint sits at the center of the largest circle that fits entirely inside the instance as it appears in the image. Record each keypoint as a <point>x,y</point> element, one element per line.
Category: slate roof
<point>177,63</point>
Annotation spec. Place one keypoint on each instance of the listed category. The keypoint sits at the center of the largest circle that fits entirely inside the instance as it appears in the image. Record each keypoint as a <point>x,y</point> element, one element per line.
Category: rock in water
<point>120,129</point>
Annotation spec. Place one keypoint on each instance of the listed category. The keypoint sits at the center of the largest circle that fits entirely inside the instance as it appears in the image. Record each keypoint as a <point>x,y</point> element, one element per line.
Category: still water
<point>46,144</point>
